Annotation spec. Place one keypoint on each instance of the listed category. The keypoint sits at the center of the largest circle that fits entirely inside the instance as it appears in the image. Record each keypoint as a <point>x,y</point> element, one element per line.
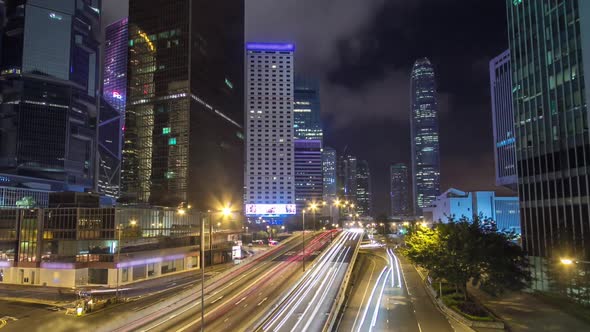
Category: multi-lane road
<point>388,295</point>
<point>308,305</point>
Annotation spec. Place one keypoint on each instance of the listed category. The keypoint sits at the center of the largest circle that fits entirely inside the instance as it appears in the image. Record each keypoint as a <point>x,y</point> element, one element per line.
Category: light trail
<point>371,299</point>
<point>379,299</point>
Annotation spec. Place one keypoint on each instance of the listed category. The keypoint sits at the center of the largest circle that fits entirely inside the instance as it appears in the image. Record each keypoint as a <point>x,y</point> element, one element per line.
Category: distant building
<point>184,135</point>
<point>308,172</point>
<point>347,178</point>
<point>270,166</point>
<point>457,204</point>
<point>399,190</point>
<point>49,73</point>
<point>424,134</point>
<point>307,121</point>
<point>364,195</point>
<point>503,121</point>
<point>329,166</point>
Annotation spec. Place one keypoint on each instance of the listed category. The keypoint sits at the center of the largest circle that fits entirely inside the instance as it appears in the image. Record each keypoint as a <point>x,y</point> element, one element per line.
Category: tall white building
<point>269,178</point>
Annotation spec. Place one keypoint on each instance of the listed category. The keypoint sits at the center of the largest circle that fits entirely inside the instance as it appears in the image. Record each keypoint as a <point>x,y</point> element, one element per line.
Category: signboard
<point>270,209</point>
<point>236,252</point>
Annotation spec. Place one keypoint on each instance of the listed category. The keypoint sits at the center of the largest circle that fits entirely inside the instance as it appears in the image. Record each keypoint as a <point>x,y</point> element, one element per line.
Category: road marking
<point>219,298</point>
<point>240,301</point>
<point>365,294</point>
<point>245,305</point>
<point>2,323</point>
<point>262,301</point>
<point>419,327</point>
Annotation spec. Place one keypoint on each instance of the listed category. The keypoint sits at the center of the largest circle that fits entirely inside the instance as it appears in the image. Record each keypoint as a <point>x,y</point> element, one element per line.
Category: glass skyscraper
<point>307,121</point>
<point>364,196</point>
<point>308,172</point>
<point>503,121</point>
<point>424,134</point>
<point>329,174</point>
<point>112,111</point>
<point>550,58</point>
<point>48,104</point>
<point>399,190</point>
<point>185,96</point>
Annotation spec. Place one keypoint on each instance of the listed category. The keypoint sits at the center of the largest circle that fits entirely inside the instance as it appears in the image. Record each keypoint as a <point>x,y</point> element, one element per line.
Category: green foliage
<point>463,251</point>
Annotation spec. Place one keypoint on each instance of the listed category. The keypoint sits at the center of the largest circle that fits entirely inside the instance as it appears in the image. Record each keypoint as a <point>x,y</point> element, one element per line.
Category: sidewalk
<point>522,312</point>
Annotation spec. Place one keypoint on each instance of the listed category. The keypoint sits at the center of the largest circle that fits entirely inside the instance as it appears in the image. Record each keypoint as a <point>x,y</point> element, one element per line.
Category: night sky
<point>363,50</point>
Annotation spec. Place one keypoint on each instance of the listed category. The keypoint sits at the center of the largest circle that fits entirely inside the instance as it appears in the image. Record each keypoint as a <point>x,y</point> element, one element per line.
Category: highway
<point>236,298</point>
<point>307,306</point>
<point>389,296</point>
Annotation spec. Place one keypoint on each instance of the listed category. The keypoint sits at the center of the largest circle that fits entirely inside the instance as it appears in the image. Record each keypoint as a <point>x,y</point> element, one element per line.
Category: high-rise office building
<point>503,121</point>
<point>48,104</point>
<point>270,166</point>
<point>424,134</point>
<point>307,121</point>
<point>329,174</point>
<point>112,111</point>
<point>308,172</point>
<point>364,196</point>
<point>399,190</point>
<point>347,178</point>
<point>185,95</point>
<point>550,60</point>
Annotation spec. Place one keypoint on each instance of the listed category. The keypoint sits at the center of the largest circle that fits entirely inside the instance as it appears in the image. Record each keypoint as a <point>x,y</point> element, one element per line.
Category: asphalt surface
<point>236,300</point>
<point>18,316</point>
<point>307,307</point>
<point>388,295</point>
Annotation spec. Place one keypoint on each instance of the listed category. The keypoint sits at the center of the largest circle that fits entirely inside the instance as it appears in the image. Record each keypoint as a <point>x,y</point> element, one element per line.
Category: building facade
<point>270,167</point>
<point>364,194</point>
<point>48,87</point>
<point>329,167</point>
<point>399,192</point>
<point>550,60</point>
<point>307,120</point>
<point>424,135</point>
<point>112,108</point>
<point>347,178</point>
<point>308,172</point>
<point>184,114</point>
<point>456,204</point>
<point>503,121</point>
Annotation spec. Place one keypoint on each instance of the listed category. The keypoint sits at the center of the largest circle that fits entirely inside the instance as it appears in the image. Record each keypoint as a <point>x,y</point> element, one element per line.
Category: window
<point>172,141</point>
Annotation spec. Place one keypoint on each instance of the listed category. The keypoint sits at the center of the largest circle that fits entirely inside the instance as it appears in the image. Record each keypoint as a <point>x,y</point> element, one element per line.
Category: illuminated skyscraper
<point>184,116</point>
<point>503,121</point>
<point>270,168</point>
<point>329,174</point>
<point>307,121</point>
<point>364,194</point>
<point>49,83</point>
<point>424,133</point>
<point>550,60</point>
<point>112,112</point>
<point>308,172</point>
<point>399,190</point>
<point>347,179</point>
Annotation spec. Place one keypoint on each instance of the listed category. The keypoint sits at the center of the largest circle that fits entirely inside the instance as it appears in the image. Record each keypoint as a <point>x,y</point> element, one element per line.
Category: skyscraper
<point>270,167</point>
<point>347,178</point>
<point>307,121</point>
<point>503,121</point>
<point>112,111</point>
<point>424,132</point>
<point>550,59</point>
<point>183,122</point>
<point>364,196</point>
<point>399,190</point>
<point>329,174</point>
<point>308,172</point>
<point>48,107</point>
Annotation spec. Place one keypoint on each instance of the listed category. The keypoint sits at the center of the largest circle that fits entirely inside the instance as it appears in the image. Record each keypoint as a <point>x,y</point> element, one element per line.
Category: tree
<point>463,251</point>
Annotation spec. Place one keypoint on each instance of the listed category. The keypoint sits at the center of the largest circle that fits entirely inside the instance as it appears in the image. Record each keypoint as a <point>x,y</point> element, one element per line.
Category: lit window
<point>166,130</point>
<point>172,141</point>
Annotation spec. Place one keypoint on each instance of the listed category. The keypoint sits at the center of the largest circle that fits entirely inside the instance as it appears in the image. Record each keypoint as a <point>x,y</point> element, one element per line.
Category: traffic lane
<point>219,298</point>
<point>427,315</point>
<point>368,266</point>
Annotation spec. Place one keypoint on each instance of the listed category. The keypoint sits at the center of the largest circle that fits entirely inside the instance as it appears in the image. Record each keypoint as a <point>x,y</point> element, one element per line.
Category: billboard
<point>269,209</point>
<point>236,252</point>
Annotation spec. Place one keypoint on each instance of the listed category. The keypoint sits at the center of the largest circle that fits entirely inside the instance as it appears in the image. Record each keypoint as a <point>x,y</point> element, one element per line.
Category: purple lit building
<point>112,110</point>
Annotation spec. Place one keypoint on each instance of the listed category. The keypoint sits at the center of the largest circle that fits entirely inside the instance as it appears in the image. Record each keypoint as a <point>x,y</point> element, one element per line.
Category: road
<point>233,301</point>
<point>156,299</point>
<point>388,295</point>
<point>307,306</point>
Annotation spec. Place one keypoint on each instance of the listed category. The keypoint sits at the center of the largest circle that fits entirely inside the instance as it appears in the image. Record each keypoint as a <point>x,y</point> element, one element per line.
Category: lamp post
<point>303,242</point>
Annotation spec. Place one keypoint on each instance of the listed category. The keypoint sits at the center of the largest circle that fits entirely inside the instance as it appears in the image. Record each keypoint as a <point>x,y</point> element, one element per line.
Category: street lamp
<point>313,207</point>
<point>566,261</point>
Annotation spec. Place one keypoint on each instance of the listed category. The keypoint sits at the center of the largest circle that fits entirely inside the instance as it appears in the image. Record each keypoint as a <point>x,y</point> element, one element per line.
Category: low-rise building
<point>455,204</point>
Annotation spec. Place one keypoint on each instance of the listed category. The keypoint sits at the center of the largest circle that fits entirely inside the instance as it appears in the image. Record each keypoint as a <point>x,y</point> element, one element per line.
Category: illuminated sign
<point>117,95</point>
<point>270,47</point>
<point>269,209</point>
<point>236,252</point>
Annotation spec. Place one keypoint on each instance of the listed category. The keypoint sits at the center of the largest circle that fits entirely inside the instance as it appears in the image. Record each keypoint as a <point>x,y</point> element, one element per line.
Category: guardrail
<point>341,295</point>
